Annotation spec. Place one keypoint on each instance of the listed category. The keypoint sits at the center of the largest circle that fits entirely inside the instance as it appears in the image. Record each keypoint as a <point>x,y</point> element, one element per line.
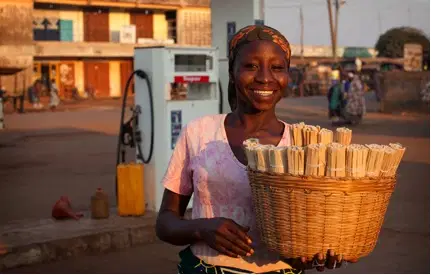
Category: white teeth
<point>263,93</point>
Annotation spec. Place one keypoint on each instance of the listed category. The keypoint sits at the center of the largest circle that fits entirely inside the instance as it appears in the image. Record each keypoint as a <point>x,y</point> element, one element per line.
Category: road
<point>46,155</point>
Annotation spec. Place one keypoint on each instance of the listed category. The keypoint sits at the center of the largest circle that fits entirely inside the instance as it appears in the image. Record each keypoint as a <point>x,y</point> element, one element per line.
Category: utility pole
<point>379,18</point>
<point>301,19</point>
<point>331,28</point>
<point>337,12</point>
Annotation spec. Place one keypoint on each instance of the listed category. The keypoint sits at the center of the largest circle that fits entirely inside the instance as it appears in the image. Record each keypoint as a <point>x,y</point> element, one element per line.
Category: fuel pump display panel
<point>193,62</point>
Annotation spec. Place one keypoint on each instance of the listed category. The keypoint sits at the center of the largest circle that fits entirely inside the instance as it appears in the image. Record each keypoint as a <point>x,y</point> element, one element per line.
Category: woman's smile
<point>260,74</point>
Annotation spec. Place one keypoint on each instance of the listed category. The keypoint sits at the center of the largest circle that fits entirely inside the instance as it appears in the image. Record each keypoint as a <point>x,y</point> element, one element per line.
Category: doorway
<point>44,77</point>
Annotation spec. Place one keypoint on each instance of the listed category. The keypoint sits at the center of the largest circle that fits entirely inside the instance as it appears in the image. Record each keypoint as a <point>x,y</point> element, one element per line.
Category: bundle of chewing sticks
<point>319,152</point>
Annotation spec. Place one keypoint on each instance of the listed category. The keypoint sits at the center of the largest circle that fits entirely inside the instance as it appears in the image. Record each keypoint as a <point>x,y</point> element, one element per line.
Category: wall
<point>16,35</point>
<point>82,49</point>
<point>160,26</point>
<point>223,11</point>
<point>194,26</point>
<point>116,21</point>
<point>79,76</point>
<point>114,79</point>
<point>402,91</point>
<point>76,16</point>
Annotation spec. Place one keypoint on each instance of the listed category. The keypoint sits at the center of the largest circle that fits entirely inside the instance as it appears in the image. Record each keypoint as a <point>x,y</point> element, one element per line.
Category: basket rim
<point>327,184</point>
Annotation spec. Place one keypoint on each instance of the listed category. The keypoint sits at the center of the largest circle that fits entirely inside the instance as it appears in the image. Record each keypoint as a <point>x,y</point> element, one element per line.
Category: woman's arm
<point>221,234</point>
<point>171,227</point>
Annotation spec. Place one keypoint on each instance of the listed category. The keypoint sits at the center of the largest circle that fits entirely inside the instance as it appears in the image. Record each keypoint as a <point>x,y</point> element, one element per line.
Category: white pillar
<point>242,13</point>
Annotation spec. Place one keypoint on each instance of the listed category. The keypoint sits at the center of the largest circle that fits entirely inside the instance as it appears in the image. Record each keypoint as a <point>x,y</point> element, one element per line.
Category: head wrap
<point>247,35</point>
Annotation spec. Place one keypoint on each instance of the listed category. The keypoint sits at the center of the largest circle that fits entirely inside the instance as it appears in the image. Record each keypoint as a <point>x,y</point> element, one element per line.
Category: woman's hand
<point>319,262</point>
<point>226,236</point>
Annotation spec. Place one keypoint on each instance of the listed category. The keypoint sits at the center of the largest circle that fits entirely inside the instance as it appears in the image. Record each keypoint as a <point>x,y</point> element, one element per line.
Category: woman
<point>335,100</point>
<point>53,93</point>
<point>355,97</point>
<point>209,162</point>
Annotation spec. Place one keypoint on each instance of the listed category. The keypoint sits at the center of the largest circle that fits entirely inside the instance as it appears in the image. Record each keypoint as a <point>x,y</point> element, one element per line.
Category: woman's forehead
<point>261,48</point>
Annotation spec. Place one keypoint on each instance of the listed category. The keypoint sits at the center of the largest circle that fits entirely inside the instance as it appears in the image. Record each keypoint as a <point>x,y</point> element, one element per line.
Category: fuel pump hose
<point>136,139</point>
<point>143,75</point>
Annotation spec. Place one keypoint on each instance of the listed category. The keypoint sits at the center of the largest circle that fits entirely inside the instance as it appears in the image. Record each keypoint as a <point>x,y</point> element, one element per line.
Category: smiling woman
<point>209,162</point>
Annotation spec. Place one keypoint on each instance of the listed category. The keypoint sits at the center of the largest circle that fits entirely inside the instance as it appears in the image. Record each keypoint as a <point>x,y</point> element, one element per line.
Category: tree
<point>391,43</point>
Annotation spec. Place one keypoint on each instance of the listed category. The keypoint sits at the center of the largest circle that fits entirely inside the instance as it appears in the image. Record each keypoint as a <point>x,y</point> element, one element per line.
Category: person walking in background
<point>35,94</point>
<point>335,99</point>
<point>377,86</point>
<point>355,96</point>
<point>18,100</point>
<point>53,94</point>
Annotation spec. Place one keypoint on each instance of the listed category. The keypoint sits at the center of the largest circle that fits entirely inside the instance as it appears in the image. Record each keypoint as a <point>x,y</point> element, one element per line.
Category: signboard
<point>192,79</point>
<point>231,30</point>
<point>128,34</point>
<point>176,125</point>
<point>413,56</point>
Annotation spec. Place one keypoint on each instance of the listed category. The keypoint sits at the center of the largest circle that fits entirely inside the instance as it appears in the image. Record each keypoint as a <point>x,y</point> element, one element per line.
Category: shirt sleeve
<point>178,177</point>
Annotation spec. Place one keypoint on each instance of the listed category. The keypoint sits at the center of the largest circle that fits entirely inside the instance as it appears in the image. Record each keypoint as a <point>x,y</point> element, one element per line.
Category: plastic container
<point>99,205</point>
<point>130,189</point>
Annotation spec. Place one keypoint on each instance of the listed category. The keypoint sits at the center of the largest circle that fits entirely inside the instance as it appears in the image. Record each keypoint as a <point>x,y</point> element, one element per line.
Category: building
<point>88,44</point>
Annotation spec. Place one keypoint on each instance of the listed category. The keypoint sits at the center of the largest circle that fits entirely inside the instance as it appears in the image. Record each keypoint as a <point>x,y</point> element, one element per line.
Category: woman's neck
<point>255,122</point>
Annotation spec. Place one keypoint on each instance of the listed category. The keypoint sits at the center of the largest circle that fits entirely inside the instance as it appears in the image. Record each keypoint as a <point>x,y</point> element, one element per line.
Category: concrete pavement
<point>46,155</point>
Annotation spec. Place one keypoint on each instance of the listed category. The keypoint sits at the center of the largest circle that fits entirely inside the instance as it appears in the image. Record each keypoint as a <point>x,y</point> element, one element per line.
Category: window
<point>172,29</point>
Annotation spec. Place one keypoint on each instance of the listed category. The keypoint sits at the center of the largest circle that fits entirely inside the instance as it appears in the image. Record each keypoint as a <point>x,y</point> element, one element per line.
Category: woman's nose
<point>263,75</point>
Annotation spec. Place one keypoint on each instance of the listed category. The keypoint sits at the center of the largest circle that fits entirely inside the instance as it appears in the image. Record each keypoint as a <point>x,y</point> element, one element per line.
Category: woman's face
<point>260,75</point>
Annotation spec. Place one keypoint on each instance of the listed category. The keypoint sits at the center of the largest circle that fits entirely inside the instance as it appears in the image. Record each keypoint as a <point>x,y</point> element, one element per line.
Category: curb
<point>49,240</point>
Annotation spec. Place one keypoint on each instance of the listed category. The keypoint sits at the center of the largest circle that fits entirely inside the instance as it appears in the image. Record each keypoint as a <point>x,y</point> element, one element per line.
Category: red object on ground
<point>62,209</point>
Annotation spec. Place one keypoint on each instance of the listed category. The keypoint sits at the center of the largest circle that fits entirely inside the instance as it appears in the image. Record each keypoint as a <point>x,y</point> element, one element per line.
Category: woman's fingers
<point>227,245</point>
<point>238,244</point>
<point>240,231</point>
<point>225,251</point>
<point>339,261</point>
<point>319,262</point>
<point>331,260</point>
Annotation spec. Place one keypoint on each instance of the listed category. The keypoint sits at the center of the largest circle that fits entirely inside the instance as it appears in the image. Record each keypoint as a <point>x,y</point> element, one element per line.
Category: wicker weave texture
<point>299,216</point>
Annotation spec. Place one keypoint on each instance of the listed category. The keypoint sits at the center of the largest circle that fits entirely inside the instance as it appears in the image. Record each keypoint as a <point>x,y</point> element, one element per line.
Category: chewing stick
<point>250,154</point>
<point>336,166</point>
<point>354,160</point>
<point>262,157</point>
<point>325,136</point>
<point>251,141</point>
<point>400,150</point>
<point>389,155</point>
<point>343,136</point>
<point>374,160</point>
<point>315,160</point>
<point>309,135</point>
<point>301,161</point>
<point>295,161</point>
<point>296,133</point>
<point>278,159</point>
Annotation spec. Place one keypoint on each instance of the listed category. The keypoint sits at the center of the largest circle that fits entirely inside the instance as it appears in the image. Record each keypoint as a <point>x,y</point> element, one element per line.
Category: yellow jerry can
<point>130,189</point>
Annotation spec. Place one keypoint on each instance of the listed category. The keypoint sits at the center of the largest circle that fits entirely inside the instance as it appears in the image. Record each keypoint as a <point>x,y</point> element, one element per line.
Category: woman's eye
<point>251,66</point>
<point>278,68</point>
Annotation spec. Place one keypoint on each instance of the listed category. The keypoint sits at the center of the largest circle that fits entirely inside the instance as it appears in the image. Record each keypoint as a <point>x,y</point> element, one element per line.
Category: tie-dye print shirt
<point>204,165</point>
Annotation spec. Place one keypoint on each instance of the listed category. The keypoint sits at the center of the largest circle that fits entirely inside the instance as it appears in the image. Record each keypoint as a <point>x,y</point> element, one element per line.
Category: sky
<point>358,23</point>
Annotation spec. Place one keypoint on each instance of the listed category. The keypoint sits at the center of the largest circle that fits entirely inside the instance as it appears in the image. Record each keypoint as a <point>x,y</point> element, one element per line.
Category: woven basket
<point>302,216</point>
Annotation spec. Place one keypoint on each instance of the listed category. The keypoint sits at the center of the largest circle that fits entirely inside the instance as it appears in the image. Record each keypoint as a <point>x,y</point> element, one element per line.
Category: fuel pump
<point>173,85</point>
